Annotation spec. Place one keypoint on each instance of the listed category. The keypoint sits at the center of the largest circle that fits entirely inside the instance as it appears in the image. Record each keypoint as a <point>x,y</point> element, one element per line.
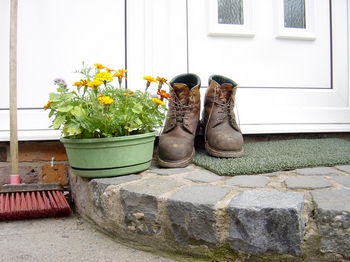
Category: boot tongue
<point>182,92</point>
<point>224,91</point>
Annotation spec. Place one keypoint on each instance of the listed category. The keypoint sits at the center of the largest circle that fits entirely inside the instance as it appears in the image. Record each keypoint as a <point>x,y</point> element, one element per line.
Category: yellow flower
<point>99,66</point>
<point>94,84</point>
<point>157,101</point>
<point>120,73</point>
<point>150,79</point>
<point>105,100</point>
<point>104,77</point>
<point>48,105</point>
<point>161,80</point>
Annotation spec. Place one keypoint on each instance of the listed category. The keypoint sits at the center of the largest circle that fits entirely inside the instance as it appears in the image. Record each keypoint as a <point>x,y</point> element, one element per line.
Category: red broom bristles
<point>35,204</point>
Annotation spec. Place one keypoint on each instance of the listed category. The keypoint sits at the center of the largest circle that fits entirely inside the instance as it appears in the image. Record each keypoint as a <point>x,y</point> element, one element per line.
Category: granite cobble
<point>192,210</point>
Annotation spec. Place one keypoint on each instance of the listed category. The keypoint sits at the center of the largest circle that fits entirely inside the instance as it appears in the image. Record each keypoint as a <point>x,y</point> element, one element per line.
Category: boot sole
<point>182,163</point>
<point>226,154</point>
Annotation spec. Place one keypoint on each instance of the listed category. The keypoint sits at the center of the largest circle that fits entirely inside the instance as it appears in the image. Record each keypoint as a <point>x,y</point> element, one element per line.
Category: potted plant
<point>107,130</point>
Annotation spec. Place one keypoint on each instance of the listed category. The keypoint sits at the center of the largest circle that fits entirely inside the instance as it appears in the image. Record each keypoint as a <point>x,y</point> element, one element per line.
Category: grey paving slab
<point>248,181</point>
<point>332,200</point>
<point>273,174</point>
<point>344,168</point>
<point>103,183</point>
<point>204,176</point>
<point>344,180</point>
<point>170,171</point>
<point>151,186</point>
<point>323,171</point>
<point>265,221</point>
<point>333,220</point>
<point>307,182</point>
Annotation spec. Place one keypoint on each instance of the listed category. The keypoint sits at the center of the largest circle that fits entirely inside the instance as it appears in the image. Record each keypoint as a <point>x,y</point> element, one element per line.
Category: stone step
<point>297,214</point>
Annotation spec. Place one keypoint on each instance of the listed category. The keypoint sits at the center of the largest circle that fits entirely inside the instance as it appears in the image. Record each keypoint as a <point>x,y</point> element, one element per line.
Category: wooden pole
<point>13,90</point>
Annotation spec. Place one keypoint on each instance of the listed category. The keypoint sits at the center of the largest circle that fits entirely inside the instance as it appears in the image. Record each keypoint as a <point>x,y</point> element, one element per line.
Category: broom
<point>20,201</point>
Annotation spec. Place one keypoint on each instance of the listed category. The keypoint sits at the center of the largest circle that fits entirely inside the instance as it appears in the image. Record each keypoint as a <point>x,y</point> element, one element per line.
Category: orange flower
<point>48,105</point>
<point>129,92</point>
<point>163,94</point>
<point>80,83</point>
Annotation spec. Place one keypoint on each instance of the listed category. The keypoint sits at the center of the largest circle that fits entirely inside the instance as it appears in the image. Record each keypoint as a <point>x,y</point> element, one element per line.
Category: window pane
<point>230,12</point>
<point>294,13</point>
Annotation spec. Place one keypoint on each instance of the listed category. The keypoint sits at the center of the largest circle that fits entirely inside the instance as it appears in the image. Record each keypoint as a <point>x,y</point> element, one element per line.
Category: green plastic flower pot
<point>108,157</point>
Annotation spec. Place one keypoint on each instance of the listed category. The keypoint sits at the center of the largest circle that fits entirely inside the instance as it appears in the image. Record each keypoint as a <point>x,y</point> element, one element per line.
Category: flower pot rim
<point>68,139</point>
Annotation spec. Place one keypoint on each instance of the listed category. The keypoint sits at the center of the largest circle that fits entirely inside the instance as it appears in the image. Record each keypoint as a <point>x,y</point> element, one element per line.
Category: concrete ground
<point>63,239</point>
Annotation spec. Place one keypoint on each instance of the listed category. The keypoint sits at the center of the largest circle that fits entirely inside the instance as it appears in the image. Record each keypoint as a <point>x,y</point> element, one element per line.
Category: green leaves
<point>65,108</point>
<point>137,108</point>
<point>58,121</point>
<point>54,97</point>
<point>73,129</point>
<point>78,111</point>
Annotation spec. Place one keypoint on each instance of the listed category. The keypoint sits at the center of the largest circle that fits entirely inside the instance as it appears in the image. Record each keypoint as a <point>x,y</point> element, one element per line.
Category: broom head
<point>27,201</point>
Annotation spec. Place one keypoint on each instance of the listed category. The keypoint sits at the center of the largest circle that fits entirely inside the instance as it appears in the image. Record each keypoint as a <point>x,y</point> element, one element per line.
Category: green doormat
<point>266,157</point>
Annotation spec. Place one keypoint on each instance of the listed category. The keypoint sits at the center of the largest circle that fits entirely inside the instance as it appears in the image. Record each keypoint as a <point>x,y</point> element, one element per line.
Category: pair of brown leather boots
<point>223,138</point>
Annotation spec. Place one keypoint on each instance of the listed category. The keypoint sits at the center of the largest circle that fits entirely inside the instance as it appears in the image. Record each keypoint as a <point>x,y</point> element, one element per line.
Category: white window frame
<point>308,33</point>
<point>245,30</point>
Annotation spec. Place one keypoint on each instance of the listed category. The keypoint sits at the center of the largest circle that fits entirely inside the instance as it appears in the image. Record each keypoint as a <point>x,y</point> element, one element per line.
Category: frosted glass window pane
<point>294,13</point>
<point>230,12</point>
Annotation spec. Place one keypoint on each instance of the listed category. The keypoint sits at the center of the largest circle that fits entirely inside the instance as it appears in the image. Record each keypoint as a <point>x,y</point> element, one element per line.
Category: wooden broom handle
<point>13,88</point>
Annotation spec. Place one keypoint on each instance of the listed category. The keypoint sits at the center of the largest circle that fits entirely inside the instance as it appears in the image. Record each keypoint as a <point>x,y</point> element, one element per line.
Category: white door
<point>292,78</point>
<point>156,40</point>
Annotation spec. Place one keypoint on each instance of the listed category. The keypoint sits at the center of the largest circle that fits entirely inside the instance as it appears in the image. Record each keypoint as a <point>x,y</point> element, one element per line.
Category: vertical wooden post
<point>13,88</point>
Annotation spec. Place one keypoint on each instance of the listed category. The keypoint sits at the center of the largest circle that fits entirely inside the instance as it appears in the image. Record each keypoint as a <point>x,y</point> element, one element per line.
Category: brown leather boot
<point>223,138</point>
<point>176,143</point>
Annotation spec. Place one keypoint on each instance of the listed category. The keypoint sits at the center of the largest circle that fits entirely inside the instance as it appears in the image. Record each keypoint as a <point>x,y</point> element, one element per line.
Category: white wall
<point>54,37</point>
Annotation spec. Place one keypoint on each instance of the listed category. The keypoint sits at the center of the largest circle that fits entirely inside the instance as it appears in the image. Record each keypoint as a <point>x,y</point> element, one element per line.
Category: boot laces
<point>179,109</point>
<point>225,109</point>
<point>223,105</point>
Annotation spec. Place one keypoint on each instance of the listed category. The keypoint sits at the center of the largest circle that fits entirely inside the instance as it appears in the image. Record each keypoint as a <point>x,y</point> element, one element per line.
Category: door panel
<point>156,40</point>
<point>263,59</point>
<point>286,85</point>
